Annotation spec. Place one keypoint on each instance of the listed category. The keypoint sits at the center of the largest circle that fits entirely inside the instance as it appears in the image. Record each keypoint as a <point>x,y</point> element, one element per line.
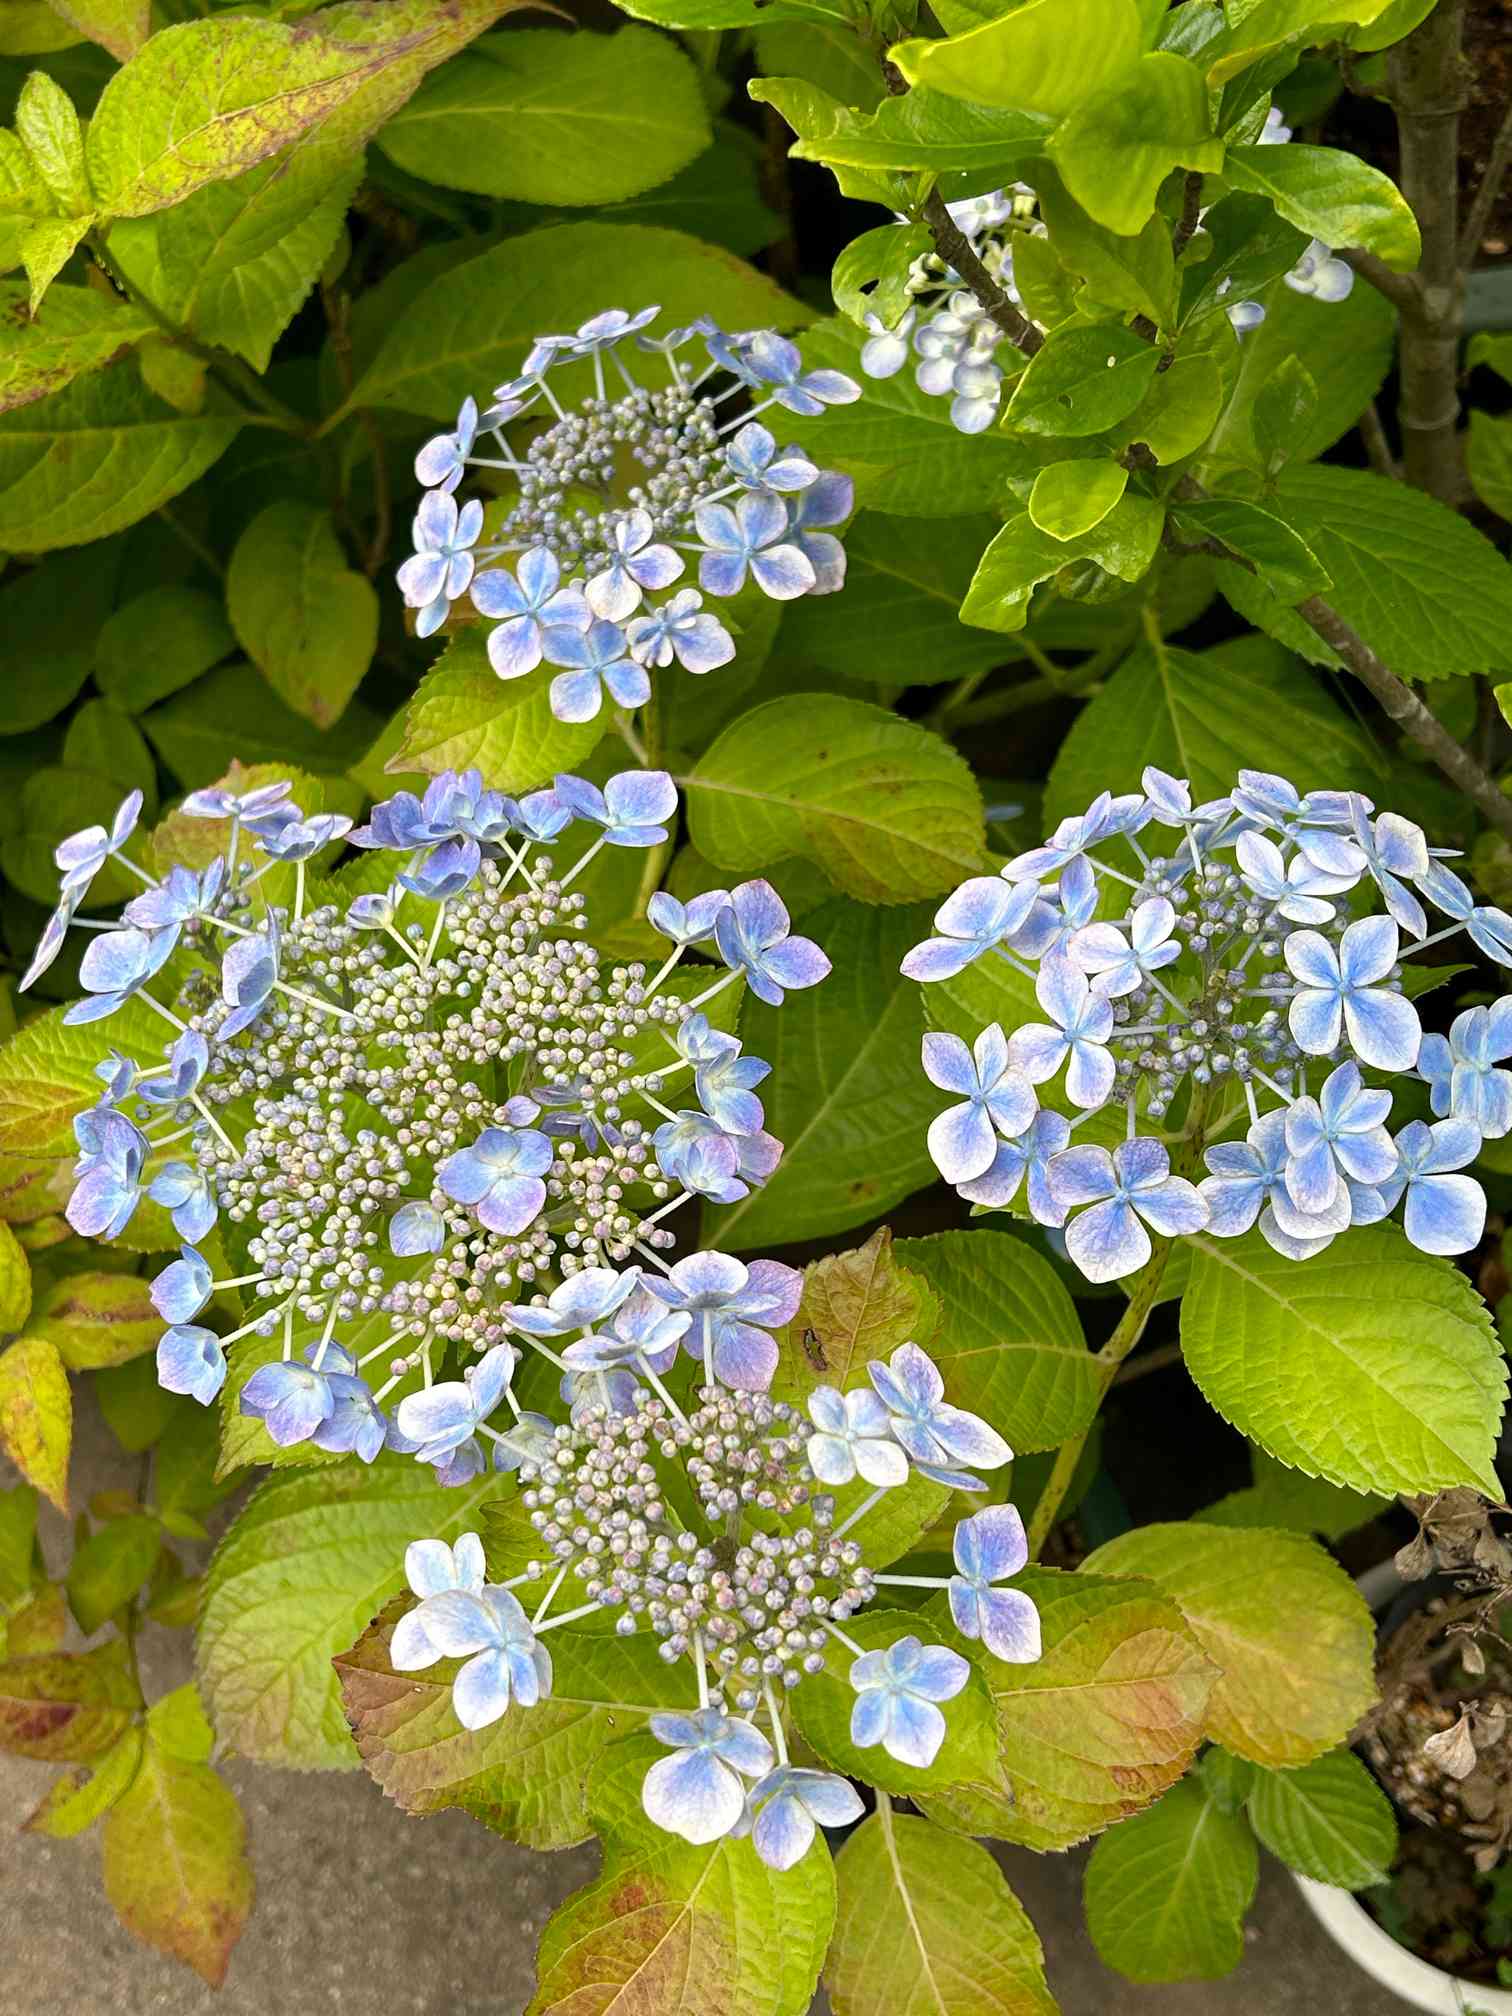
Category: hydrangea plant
<point>757,1058</point>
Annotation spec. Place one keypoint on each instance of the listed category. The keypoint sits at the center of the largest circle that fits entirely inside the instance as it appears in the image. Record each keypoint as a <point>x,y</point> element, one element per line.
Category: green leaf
<point>159,641</point>
<point>1243,247</point>
<point>1226,1780</point>
<point>1117,148</point>
<point>15,1283</point>
<point>175,1864</point>
<point>47,1077</point>
<point>927,1926</point>
<point>717,197</point>
<point>77,1799</point>
<point>203,102</point>
<point>121,26</point>
<point>1348,346</point>
<point>1049,56</point>
<point>1488,458</point>
<point>1242,1592</point>
<point>1205,715</point>
<point>19,1557</point>
<point>310,1559</point>
<point>526,1777</point>
<point>896,623</point>
<point>1284,409</point>
<point>1166,1895</point>
<point>887,809</point>
<point>305,619</point>
<point>734,13</point>
<point>819,120</point>
<point>76,330</point>
<point>1124,543</point>
<point>871,275</point>
<point>179,1724</point>
<point>46,249</point>
<point>1279,555</point>
<point>98,1319</point>
<point>898,441</point>
<point>846,1097</point>
<point>1101,1724</point>
<point>463,716</point>
<point>1331,195</point>
<point>856,1306</point>
<point>110,1566</point>
<point>1082,381</point>
<point>821,1710</point>
<point>231,264</point>
<point>36,1415</point>
<point>1330,1820</point>
<point>1281,24</point>
<point>473,324</point>
<point>1010,1344</point>
<point>99,455</point>
<point>231,716</point>
<point>136,1409</point>
<point>104,739</point>
<point>921,131</point>
<point>1069,498</point>
<point>1137,273</point>
<point>563,120</point>
<point>51,616</point>
<point>65,1707</point>
<point>1179,412</point>
<point>48,127</point>
<point>1374,1366</point>
<point>677,1929</point>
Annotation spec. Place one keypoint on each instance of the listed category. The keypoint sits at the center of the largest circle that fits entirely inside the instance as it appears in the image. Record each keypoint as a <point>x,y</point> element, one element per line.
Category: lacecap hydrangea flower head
<point>438,1146</point>
<point>665,475</point>
<point>1239,961</point>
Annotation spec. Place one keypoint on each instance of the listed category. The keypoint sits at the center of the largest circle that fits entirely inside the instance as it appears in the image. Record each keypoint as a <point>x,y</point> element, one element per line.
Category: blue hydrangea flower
<point>736,1306</point>
<point>896,1693</point>
<point>301,838</point>
<point>598,661</point>
<point>505,1660</point>
<point>1073,836</point>
<point>776,363</point>
<point>116,965</point>
<point>990,1547</point>
<point>724,1080</point>
<point>416,1227</point>
<point>1339,1135</point>
<point>290,1400</point>
<point>983,912</point>
<point>1320,274</point>
<point>1081,1021</point>
<point>119,1076</point>
<point>1121,962</point>
<point>81,856</point>
<point>1490,929</point>
<point>631,808</point>
<point>1127,1190</point>
<point>190,1360</point>
<point>441,567</point>
<point>699,1792</point>
<point>937,1436</point>
<point>1445,1213</point>
<point>580,1302</point>
<point>687,924</point>
<point>886,351</point>
<point>697,1152</point>
<point>1461,1069</point>
<point>1396,853</point>
<point>183,1288</point>
<point>526,602</point>
<point>1295,889</point>
<point>500,1177</point>
<point>50,944</point>
<point>642,1331</point>
<point>995,1101</point>
<point>443,872</point>
<point>430,1567</point>
<point>109,1185</point>
<point>683,629</point>
<point>811,515</point>
<point>249,973</point>
<point>1311,820</point>
<point>267,806</point>
<point>1247,1184</point>
<point>853,1438</point>
<point>639,562</point>
<point>756,461</point>
<point>1026,1156</point>
<point>790,1803</point>
<point>188,1061</point>
<point>185,1192</point>
<point>178,899</point>
<point>753,537</point>
<point>444,1416</point>
<point>440,463</point>
<point>356,1424</point>
<point>754,937</point>
<point>1339,994</point>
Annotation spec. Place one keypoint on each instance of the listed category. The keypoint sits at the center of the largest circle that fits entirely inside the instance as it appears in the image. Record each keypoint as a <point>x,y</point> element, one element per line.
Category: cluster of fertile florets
<point>754,1590</point>
<point>1244,964</point>
<point>611,492</point>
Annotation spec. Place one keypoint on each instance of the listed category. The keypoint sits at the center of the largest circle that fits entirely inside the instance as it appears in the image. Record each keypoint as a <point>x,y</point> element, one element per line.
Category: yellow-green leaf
<point>36,1415</point>
<point>15,1283</point>
<point>306,619</point>
<point>98,1319</point>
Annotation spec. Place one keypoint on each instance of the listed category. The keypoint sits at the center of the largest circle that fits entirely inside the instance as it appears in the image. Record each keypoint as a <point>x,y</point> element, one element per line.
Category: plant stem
<point>1377,447</point>
<point>955,248</point>
<point>1427,90</point>
<point>1485,196</point>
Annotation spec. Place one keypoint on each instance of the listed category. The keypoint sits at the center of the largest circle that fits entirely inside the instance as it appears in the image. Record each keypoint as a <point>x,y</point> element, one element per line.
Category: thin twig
<point>1191,212</point>
<point>1484,200</point>
<point>1148,1361</point>
<point>956,249</point>
<point>1402,290</point>
<point>1377,447</point>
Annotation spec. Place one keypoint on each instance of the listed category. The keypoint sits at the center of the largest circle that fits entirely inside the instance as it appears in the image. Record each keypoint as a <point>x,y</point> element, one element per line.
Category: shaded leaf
<point>1167,1892</point>
<point>305,619</point>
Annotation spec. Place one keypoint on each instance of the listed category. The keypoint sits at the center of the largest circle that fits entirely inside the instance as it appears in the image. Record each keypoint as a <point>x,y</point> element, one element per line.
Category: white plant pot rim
<point>1352,1928</point>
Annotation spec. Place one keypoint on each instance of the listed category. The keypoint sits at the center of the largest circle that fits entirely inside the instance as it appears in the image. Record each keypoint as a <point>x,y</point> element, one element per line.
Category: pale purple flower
<point>982,913</point>
<point>1445,1212</point>
<point>1082,1020</point>
<point>1247,1185</point>
<point>598,661</point>
<point>190,1360</point>
<point>500,1177</point>
<point>826,503</point>
<point>776,363</point>
<point>790,1803</point>
<point>440,463</point>
<point>989,1548</point>
<point>442,1417</point>
<point>683,629</point>
<point>755,460</point>
<point>1120,962</point>
<point>1320,274</point>
<point>1338,995</point>
<point>691,923</point>
<point>416,1227</point>
<point>896,1693</point>
<point>853,1438</point>
<point>699,1792</point>
<point>1028,1155</point>
<point>1296,889</point>
<point>937,1436</point>
<point>1309,821</point>
<point>632,808</point>
<point>578,1303</point>
<point>1127,1190</point>
<point>1461,1069</point>
<point>995,1101</point>
<point>116,965</point>
<point>639,563</point>
<point>1339,1135</point>
<point>82,855</point>
<point>1490,928</point>
<point>526,602</point>
<point>183,1288</point>
<point>188,1061</point>
<point>753,537</point>
<point>753,934</point>
<point>441,567</point>
<point>642,1331</point>
<point>185,1192</point>
<point>1396,852</point>
<point>735,1307</point>
<point>489,1629</point>
<point>290,1400</point>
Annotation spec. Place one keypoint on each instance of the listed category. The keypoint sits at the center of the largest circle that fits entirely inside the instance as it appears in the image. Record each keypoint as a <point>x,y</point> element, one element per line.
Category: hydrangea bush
<point>665,913</point>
